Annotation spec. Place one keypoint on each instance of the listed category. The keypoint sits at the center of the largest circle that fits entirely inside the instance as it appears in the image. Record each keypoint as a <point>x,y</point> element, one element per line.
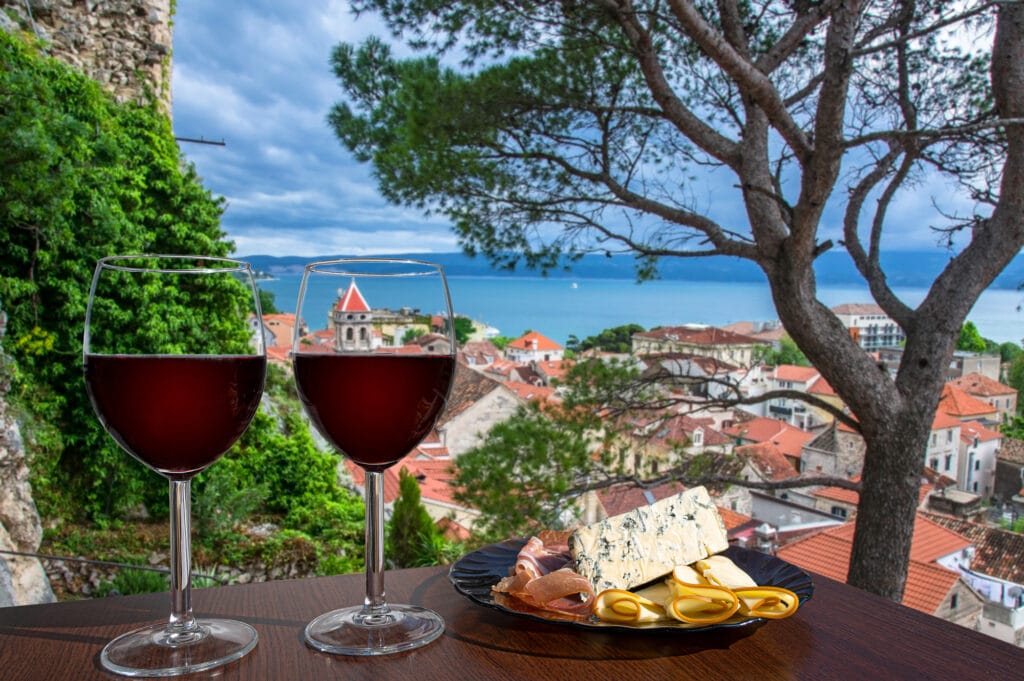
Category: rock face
<point>22,578</point>
<point>125,45</point>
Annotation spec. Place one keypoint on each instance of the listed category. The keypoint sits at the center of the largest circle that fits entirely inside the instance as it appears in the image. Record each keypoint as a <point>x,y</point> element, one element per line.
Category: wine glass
<point>374,400</point>
<point>175,374</point>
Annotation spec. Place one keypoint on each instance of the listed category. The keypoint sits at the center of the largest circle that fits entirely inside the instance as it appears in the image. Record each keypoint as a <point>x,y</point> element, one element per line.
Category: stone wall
<point>22,578</point>
<point>125,45</point>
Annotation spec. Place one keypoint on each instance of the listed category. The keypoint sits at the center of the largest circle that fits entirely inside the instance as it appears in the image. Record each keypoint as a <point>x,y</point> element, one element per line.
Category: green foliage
<point>519,476</point>
<point>501,342</point>
<point>267,303</point>
<point>1008,352</point>
<point>128,582</point>
<point>1015,376</point>
<point>220,502</point>
<point>970,338</point>
<point>84,177</point>
<point>411,531</point>
<point>787,353</point>
<point>463,329</point>
<point>412,334</point>
<point>615,339</point>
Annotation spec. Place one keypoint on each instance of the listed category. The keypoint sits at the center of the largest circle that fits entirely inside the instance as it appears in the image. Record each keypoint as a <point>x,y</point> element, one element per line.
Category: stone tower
<point>124,45</point>
<point>352,319</point>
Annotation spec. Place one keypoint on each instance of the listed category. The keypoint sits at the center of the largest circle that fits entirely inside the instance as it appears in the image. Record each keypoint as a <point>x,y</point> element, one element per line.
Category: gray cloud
<point>257,76</point>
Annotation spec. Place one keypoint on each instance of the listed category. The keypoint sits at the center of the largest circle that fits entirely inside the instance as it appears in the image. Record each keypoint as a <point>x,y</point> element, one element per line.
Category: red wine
<point>175,413</point>
<point>373,407</point>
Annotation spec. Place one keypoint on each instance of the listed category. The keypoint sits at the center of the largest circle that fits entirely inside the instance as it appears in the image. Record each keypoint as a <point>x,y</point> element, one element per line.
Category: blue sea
<point>560,307</point>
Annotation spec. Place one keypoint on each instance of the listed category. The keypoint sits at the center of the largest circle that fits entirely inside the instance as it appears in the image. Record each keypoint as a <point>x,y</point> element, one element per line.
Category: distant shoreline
<point>905,269</point>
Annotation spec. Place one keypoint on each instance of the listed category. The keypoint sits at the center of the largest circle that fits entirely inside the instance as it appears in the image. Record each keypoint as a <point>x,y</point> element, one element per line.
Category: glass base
<point>157,650</point>
<point>359,631</point>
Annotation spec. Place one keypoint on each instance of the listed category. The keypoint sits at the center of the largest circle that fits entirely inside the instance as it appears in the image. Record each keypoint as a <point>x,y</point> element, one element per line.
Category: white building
<point>869,325</point>
<point>979,448</point>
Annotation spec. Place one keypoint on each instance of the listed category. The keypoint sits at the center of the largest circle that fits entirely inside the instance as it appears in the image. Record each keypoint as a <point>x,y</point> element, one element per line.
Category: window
<point>839,511</point>
<point>698,437</point>
<point>935,439</point>
<point>934,465</point>
<point>949,461</point>
<point>348,333</point>
<point>977,464</point>
<point>949,436</point>
<point>974,486</point>
<point>954,601</point>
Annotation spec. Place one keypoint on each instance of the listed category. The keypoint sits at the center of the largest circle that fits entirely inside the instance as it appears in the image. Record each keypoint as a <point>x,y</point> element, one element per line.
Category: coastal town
<point>965,563</point>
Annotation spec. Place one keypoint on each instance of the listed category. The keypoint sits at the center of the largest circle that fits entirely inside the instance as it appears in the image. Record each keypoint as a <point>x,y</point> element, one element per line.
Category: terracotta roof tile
<point>858,309</point>
<point>468,388</point>
<point>981,385</point>
<point>998,552</point>
<point>973,429</point>
<point>958,403</point>
<point>768,460</point>
<point>828,553</point>
<point>352,300</point>
<point>699,335</point>
<point>788,438</point>
<point>525,342</point>
<point>945,420</point>
<point>798,374</point>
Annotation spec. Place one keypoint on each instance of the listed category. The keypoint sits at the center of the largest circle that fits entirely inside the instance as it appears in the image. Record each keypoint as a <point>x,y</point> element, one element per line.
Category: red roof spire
<point>351,300</point>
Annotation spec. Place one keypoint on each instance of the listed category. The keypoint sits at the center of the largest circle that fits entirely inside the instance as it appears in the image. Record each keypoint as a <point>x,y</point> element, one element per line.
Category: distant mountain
<point>906,269</point>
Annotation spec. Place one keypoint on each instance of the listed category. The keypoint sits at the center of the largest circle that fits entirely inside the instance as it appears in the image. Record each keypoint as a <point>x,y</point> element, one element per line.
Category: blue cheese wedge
<point>641,545</point>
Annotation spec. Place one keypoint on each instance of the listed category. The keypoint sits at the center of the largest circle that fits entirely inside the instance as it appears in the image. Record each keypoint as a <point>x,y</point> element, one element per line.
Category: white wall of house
<point>977,473</point>
<point>943,452</point>
<point>468,428</point>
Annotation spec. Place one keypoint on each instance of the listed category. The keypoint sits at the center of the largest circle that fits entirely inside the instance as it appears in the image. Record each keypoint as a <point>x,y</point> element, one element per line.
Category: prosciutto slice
<point>542,577</point>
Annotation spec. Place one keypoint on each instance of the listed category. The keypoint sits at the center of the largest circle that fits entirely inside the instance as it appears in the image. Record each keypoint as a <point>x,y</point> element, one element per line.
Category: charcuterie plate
<point>474,574</point>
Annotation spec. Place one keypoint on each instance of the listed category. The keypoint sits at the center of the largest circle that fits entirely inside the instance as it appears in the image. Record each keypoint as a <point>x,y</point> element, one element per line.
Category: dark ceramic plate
<point>474,574</point>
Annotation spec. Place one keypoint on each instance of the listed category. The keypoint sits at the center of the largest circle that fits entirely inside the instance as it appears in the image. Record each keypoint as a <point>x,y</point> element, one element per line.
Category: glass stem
<point>181,619</point>
<point>375,602</point>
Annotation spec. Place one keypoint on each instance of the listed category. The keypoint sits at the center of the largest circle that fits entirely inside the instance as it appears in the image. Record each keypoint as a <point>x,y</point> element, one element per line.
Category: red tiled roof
<point>997,551</point>
<point>770,462</point>
<point>526,342</point>
<point>352,300</point>
<point>972,429</point>
<point>699,335</point>
<point>958,403</point>
<point>788,438</point>
<point>981,385</point>
<point>828,553</point>
<point>528,392</point>
<point>840,494</point>
<point>945,420</point>
<point>732,519</point>
<point>858,309</point>
<point>627,496</point>
<point>798,374</point>
<point>931,541</point>
<point>822,387</point>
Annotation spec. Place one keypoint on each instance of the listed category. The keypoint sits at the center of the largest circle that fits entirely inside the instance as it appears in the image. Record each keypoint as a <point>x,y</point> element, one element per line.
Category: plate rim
<point>461,585</point>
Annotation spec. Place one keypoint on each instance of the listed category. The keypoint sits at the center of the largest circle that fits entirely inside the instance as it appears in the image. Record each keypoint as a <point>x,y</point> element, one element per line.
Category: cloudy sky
<point>255,74</point>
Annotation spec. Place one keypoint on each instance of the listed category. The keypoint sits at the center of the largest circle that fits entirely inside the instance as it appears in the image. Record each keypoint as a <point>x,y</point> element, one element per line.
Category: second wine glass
<point>374,399</point>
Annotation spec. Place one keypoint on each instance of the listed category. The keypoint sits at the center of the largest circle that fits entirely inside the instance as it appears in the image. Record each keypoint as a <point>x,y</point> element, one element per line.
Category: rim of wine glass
<point>110,261</point>
<point>321,267</point>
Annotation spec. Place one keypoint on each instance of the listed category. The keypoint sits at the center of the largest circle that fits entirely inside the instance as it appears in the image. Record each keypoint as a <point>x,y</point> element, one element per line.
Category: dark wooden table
<point>841,633</point>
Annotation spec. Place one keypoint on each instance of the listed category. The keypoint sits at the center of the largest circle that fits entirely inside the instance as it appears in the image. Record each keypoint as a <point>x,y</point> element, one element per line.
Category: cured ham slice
<point>542,577</point>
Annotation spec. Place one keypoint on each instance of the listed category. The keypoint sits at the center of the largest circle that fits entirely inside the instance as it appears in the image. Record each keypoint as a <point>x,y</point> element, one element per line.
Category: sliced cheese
<point>641,545</point>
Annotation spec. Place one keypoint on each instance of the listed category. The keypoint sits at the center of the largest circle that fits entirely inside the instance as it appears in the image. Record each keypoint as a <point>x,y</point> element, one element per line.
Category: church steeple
<point>352,319</point>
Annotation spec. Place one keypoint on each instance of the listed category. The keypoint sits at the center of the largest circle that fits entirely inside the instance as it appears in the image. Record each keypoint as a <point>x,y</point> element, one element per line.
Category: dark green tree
<point>520,476</point>
<point>580,126</point>
<point>84,177</point>
<point>411,531</point>
<point>463,329</point>
<point>615,339</point>
<point>970,338</point>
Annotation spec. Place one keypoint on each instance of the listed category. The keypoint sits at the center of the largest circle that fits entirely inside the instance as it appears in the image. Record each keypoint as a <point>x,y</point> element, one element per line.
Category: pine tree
<point>411,532</point>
